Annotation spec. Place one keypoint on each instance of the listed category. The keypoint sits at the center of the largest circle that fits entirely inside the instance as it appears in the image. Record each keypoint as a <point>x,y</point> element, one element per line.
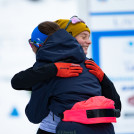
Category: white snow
<point>17,20</point>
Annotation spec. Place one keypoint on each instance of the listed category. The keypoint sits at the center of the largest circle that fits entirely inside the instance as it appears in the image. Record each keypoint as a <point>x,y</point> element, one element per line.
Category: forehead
<point>85,33</point>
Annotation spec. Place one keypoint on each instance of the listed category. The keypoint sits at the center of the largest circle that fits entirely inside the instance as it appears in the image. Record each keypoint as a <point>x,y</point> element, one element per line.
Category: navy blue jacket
<point>60,94</point>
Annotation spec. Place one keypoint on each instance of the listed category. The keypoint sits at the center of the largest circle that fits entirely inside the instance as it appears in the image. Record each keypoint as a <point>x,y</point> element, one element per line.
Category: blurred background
<point>112,34</point>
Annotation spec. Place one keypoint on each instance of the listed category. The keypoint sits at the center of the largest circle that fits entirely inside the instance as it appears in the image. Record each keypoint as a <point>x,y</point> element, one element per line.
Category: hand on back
<point>94,69</point>
<point>68,69</point>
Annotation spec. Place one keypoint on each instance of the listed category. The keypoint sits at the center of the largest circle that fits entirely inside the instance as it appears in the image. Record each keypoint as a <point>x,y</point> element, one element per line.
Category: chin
<point>85,53</point>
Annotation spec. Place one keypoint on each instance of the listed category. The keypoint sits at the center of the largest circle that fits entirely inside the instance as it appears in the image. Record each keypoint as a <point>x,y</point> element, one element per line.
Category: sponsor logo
<point>126,88</point>
<point>102,0</point>
<point>129,66</point>
<point>131,100</point>
<point>122,78</point>
<point>129,47</point>
<point>129,114</point>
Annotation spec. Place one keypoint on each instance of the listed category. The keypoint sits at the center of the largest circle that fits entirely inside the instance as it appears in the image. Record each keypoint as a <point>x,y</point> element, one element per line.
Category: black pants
<point>43,132</point>
<point>78,128</point>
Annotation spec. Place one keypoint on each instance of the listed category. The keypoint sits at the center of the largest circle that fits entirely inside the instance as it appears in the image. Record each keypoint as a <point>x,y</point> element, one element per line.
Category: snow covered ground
<point>17,20</point>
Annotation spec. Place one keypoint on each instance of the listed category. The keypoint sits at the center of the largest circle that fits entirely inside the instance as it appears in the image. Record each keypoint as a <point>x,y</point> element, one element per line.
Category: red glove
<point>94,69</point>
<point>68,69</point>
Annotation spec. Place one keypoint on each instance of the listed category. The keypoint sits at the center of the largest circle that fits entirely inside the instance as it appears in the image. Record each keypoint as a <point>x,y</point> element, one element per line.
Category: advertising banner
<point>112,26</point>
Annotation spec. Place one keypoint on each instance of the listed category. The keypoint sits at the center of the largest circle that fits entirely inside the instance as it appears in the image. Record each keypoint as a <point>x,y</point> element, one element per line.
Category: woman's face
<point>84,41</point>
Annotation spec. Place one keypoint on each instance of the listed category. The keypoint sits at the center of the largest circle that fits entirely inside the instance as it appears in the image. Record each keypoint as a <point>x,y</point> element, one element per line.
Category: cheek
<point>34,48</point>
<point>85,50</point>
<point>80,41</point>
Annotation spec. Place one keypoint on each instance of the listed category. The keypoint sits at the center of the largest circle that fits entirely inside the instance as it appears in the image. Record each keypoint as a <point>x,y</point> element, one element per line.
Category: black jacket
<point>73,56</point>
<point>24,80</point>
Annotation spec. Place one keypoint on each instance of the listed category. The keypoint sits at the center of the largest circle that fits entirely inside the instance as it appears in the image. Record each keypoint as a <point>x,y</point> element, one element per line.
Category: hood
<point>60,46</point>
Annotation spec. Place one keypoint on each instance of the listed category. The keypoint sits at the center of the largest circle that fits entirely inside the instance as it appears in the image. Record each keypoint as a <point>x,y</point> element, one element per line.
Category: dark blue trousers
<point>77,128</point>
